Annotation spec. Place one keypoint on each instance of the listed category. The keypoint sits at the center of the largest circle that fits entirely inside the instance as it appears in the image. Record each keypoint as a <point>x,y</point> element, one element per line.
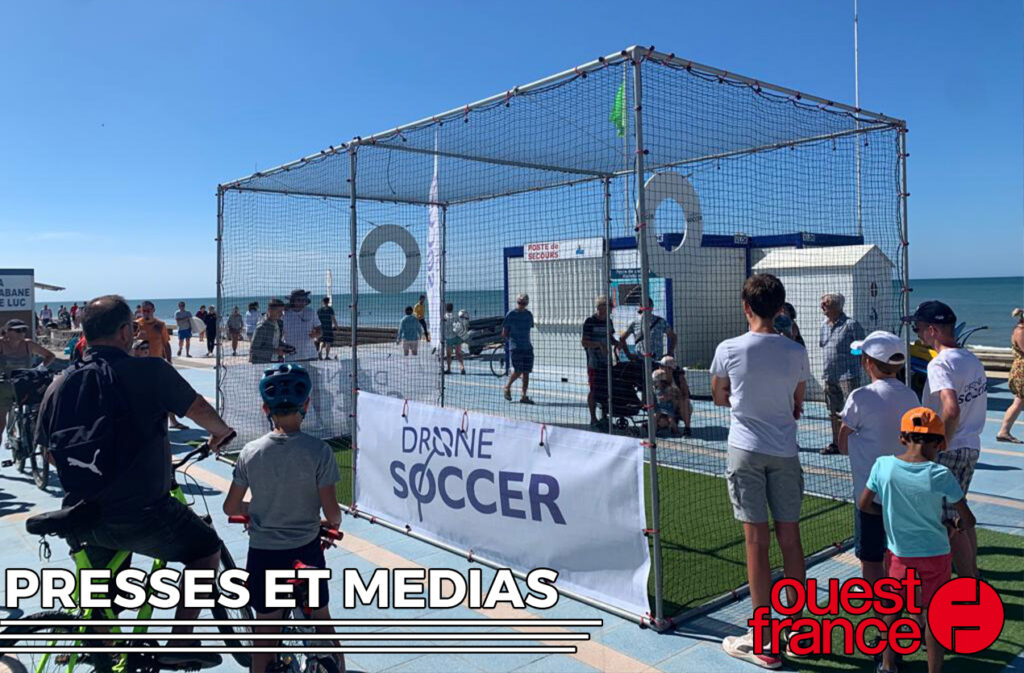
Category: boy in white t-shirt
<point>870,429</point>
<point>956,389</point>
<point>761,376</point>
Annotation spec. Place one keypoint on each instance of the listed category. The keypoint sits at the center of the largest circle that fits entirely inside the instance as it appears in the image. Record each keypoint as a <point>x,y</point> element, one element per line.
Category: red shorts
<point>933,571</point>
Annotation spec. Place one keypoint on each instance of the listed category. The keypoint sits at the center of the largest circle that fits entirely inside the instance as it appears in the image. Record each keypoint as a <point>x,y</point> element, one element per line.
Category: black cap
<point>299,293</point>
<point>932,312</point>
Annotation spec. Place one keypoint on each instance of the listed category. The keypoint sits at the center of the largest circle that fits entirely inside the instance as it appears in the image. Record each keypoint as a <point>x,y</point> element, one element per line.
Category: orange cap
<point>924,421</point>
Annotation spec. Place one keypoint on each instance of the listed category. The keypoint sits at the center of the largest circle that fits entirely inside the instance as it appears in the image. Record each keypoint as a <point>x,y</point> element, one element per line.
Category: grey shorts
<point>961,463</point>
<point>759,483</point>
<point>836,393</point>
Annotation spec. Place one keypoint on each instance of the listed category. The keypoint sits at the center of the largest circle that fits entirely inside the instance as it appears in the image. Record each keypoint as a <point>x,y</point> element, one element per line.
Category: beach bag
<point>85,429</point>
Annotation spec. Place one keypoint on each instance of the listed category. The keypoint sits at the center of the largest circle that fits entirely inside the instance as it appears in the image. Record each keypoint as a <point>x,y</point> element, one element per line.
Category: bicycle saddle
<point>64,522</point>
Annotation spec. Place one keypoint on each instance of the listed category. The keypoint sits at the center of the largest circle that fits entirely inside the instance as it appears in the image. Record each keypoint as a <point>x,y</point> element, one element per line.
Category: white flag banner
<point>519,494</point>
<point>434,308</point>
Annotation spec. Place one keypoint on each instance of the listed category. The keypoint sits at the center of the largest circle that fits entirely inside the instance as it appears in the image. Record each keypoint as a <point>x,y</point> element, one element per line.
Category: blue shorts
<point>522,360</point>
<point>869,536</point>
<point>184,334</point>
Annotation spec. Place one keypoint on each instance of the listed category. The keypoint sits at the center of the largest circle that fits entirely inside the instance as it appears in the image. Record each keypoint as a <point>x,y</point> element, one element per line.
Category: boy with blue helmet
<point>292,477</point>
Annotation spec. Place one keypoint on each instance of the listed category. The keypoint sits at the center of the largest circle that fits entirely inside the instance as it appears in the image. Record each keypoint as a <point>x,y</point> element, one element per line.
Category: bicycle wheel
<point>499,364</point>
<point>40,468</point>
<point>40,635</point>
<point>221,612</point>
<point>14,439</point>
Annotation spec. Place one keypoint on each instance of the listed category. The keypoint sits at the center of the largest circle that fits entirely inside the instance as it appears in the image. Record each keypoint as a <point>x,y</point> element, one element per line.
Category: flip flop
<point>1009,438</point>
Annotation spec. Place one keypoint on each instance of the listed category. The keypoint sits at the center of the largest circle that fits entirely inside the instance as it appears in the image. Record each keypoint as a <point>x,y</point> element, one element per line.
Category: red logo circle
<point>966,615</point>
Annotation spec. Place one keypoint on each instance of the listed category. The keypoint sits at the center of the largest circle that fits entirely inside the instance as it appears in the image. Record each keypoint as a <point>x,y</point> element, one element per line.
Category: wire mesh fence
<point>497,257</point>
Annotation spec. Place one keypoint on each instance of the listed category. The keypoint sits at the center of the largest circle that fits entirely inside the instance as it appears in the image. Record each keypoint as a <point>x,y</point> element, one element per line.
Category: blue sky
<point>118,119</point>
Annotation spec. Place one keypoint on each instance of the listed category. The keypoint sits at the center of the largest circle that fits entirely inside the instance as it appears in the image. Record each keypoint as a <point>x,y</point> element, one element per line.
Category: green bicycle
<point>37,630</point>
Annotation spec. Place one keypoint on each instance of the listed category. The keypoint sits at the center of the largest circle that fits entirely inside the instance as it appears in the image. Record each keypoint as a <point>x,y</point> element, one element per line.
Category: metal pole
<point>353,308</point>
<point>641,242</point>
<point>856,104</point>
<point>218,400</point>
<point>441,265</point>
<point>905,236</point>
<point>625,153</point>
<point>608,293</point>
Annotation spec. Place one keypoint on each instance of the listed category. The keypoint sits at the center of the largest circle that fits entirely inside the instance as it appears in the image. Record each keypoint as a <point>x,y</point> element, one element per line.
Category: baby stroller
<point>627,396</point>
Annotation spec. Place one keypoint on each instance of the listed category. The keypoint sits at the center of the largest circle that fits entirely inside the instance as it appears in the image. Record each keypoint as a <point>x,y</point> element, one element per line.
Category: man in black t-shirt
<point>596,339</point>
<point>137,513</point>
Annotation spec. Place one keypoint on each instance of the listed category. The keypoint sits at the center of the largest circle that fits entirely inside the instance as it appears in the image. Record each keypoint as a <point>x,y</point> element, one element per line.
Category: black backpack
<point>86,429</point>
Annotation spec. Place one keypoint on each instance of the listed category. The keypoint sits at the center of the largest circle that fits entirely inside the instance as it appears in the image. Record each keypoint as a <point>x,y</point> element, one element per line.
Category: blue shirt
<point>835,340</point>
<point>911,495</point>
<point>518,323</point>
<point>410,329</point>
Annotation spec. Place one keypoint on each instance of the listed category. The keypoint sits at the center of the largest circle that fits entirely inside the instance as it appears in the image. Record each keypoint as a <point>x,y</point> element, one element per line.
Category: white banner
<point>574,503</point>
<point>549,251</point>
<point>434,308</point>
<point>17,290</point>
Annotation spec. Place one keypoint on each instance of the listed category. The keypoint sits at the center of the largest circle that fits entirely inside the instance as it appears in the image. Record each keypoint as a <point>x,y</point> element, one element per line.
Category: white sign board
<point>549,251</point>
<point>519,494</point>
<point>17,290</point>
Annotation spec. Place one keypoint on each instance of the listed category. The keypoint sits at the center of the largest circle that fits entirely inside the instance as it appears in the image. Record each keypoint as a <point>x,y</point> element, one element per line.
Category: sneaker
<point>742,647</point>
<point>525,400</point>
<point>196,658</point>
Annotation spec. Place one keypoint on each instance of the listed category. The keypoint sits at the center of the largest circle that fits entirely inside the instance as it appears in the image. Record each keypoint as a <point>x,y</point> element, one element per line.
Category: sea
<point>980,302</point>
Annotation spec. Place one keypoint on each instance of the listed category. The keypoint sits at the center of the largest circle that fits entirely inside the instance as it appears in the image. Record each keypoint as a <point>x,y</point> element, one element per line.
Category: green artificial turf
<point>702,548</point>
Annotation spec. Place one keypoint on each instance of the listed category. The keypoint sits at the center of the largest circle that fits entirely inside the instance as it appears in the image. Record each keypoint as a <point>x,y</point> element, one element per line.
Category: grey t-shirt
<point>284,473</point>
<point>184,319</point>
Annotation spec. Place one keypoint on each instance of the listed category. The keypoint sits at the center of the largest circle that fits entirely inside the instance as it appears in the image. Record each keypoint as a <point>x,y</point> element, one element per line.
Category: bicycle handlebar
<point>201,451</point>
<point>328,535</point>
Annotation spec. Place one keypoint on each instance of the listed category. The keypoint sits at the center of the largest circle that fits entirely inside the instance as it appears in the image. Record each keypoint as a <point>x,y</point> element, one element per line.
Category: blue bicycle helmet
<point>285,388</point>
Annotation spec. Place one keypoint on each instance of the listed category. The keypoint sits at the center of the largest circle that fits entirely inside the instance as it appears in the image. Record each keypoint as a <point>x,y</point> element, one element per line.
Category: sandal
<point>508,394</point>
<point>742,647</point>
<point>1008,438</point>
<point>830,450</point>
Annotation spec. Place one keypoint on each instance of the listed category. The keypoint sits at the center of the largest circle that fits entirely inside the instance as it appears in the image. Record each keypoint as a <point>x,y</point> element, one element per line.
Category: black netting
<point>535,194</point>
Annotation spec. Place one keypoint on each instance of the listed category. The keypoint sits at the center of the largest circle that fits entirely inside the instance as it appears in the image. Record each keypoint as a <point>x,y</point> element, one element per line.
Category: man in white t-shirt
<point>762,376</point>
<point>300,327</point>
<point>870,429</point>
<point>956,389</point>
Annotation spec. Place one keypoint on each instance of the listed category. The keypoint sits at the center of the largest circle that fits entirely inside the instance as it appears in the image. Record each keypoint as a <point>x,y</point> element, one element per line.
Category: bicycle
<point>293,659</point>
<point>29,386</point>
<point>64,524</point>
<point>498,359</point>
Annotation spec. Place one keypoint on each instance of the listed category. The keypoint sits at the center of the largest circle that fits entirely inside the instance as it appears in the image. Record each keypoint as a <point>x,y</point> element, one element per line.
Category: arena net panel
<point>537,191</point>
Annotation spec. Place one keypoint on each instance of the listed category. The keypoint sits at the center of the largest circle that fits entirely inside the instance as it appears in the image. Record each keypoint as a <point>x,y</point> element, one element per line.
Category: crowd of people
<point>911,461</point>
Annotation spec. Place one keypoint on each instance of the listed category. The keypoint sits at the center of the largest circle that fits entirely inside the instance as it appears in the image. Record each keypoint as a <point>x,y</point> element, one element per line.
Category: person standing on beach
<point>957,390</point>
<point>154,332</point>
<point>420,312</point>
<point>1015,382</point>
<point>252,319</point>
<point>235,324</point>
<point>761,376</point>
<point>516,330</point>
<point>183,319</point>
<point>266,345</point>
<point>842,369</point>
<point>300,324</point>
<point>595,341</point>
<point>211,319</point>
<point>328,323</point>
<point>409,333</point>
<point>138,311</point>
<point>46,315</point>
<point>74,315</point>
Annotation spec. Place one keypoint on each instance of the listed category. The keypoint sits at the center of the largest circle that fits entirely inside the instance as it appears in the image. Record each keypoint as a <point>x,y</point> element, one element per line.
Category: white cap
<point>882,346</point>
